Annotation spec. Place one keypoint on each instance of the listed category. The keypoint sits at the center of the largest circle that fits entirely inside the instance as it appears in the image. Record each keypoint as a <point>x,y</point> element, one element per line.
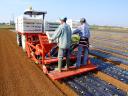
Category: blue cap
<point>83,20</point>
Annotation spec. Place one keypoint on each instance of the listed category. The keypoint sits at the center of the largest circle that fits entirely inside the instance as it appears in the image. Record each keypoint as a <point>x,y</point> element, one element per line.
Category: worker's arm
<point>86,32</point>
<point>57,33</point>
<point>77,31</point>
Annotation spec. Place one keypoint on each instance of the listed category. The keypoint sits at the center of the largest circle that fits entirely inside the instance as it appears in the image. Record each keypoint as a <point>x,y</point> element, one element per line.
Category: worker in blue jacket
<point>84,33</point>
<point>63,33</point>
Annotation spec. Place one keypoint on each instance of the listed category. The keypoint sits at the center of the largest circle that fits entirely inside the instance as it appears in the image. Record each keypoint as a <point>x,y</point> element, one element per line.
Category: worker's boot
<point>67,64</point>
<point>59,65</point>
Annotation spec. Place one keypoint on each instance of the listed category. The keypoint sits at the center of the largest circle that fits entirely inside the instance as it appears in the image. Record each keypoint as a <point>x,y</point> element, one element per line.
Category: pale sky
<point>100,12</point>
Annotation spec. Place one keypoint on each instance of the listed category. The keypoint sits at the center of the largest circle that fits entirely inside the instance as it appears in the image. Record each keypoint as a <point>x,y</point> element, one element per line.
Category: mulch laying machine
<point>33,34</point>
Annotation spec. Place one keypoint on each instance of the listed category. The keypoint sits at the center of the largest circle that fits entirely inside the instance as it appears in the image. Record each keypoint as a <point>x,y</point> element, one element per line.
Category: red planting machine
<point>33,34</point>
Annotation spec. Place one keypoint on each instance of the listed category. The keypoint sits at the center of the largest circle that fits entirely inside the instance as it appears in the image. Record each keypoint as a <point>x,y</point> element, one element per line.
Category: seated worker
<point>63,33</point>
<point>84,33</point>
<point>53,52</point>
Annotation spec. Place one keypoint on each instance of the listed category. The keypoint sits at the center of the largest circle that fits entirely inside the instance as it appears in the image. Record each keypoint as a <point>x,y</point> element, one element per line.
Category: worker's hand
<point>50,40</point>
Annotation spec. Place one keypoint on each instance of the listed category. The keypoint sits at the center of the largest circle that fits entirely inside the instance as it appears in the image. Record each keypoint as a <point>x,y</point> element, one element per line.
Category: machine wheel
<point>18,37</point>
<point>23,39</point>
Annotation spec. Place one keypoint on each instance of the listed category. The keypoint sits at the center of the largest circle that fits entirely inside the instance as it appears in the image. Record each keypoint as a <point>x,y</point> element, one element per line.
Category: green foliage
<point>7,26</point>
<point>108,28</point>
<point>75,38</point>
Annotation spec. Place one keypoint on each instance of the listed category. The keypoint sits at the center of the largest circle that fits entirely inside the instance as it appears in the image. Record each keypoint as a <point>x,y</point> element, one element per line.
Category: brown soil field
<point>19,76</point>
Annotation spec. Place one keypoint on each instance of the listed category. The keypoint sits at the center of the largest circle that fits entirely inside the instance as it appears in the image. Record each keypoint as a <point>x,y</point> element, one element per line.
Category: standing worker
<point>83,45</point>
<point>63,33</point>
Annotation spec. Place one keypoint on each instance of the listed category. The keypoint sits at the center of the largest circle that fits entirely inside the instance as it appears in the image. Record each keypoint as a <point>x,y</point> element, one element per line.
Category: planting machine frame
<point>38,48</point>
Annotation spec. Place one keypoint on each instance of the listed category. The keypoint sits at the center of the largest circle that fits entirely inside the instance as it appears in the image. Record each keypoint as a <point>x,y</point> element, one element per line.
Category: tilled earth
<point>18,75</point>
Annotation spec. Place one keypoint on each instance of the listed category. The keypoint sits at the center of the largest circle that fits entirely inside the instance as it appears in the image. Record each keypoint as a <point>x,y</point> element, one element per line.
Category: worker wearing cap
<point>84,33</point>
<point>63,33</point>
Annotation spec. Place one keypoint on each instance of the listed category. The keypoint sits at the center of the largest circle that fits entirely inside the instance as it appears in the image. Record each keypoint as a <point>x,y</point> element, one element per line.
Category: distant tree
<point>3,23</point>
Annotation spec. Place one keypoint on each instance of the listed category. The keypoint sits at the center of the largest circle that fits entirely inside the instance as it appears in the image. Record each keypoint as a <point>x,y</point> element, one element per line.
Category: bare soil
<point>18,75</point>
